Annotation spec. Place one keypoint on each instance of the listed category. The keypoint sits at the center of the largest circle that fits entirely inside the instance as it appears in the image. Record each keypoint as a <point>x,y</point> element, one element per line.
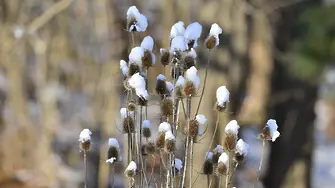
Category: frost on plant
<point>136,22</point>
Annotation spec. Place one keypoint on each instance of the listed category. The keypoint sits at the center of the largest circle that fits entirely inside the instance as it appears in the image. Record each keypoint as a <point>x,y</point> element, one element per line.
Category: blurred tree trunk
<point>293,103</point>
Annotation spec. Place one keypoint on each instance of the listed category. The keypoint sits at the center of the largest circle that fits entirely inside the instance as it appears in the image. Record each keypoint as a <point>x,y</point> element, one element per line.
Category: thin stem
<point>208,181</point>
<point>133,39</point>
<point>140,151</point>
<point>205,79</point>
<point>191,162</point>
<point>113,175</point>
<point>211,143</point>
<point>230,169</point>
<point>185,162</point>
<point>260,163</point>
<point>85,161</point>
<point>220,180</point>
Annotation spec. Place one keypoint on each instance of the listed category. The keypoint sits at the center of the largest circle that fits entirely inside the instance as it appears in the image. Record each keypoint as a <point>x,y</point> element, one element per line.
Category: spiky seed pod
<point>166,107</point>
<point>239,158</point>
<point>133,69</point>
<point>189,61</point>
<point>85,146</point>
<point>160,141</point>
<point>161,88</point>
<point>165,58</point>
<point>190,89</point>
<point>210,42</point>
<point>208,167</point>
<point>113,152</point>
<point>147,59</point>
<point>230,141</point>
<point>128,125</point>
<point>150,148</point>
<point>142,101</point>
<point>193,128</point>
<point>131,107</point>
<point>220,108</point>
<point>178,91</point>
<point>265,134</point>
<point>221,169</point>
<point>146,132</point>
<point>170,146</point>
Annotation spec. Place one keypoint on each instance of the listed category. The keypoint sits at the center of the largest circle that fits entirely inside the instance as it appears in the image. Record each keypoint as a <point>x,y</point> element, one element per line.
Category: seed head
<point>166,107</point>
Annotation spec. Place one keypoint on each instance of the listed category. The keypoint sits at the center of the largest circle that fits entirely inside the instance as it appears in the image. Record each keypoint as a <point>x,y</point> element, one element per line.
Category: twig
<point>205,79</point>
<point>185,162</point>
<point>113,175</point>
<point>191,162</point>
<point>230,168</point>
<point>85,161</point>
<point>48,14</point>
<point>260,163</point>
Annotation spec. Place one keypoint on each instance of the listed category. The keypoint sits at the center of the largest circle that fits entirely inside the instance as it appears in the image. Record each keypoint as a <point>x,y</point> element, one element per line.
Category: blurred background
<point>59,73</point>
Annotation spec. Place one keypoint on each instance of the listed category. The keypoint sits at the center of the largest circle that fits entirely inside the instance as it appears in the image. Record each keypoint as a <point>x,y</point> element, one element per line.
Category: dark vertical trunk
<point>292,105</point>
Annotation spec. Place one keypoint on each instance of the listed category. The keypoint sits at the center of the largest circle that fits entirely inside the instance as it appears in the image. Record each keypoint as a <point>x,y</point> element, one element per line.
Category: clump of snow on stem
<point>232,127</point>
<point>178,164</point>
<point>85,135</point>
<point>242,147</point>
<point>132,166</point>
<point>123,113</point>
<point>124,67</point>
<point>178,43</point>
<point>177,30</point>
<point>111,160</point>
<point>224,158</point>
<point>164,127</point>
<point>146,124</point>
<point>137,81</point>
<point>222,95</point>
<point>141,22</point>
<point>191,75</point>
<point>209,155</point>
<point>147,43</point>
<point>218,149</point>
<point>136,55</point>
<point>201,119</point>
<point>112,142</point>
<point>193,32</point>
<point>215,32</point>
<point>180,82</point>
<point>169,136</point>
<point>272,124</point>
<point>161,77</point>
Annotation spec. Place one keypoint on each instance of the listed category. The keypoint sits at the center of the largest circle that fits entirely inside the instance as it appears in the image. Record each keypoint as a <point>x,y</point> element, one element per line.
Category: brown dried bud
<point>146,132</point>
<point>165,58</point>
<point>220,108</point>
<point>190,89</point>
<point>221,169</point>
<point>143,151</point>
<point>147,59</point>
<point>230,141</point>
<point>113,152</point>
<point>170,146</point>
<point>210,42</point>
<point>161,88</point>
<point>131,106</point>
<point>150,148</point>
<point>193,128</point>
<point>85,146</point>
<point>189,61</point>
<point>239,158</point>
<point>208,167</point>
<point>142,101</point>
<point>178,71</point>
<point>166,107</point>
<point>131,21</point>
<point>133,69</point>
<point>265,134</point>
<point>160,141</point>
<point>128,125</point>
<point>179,92</point>
<point>130,173</point>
